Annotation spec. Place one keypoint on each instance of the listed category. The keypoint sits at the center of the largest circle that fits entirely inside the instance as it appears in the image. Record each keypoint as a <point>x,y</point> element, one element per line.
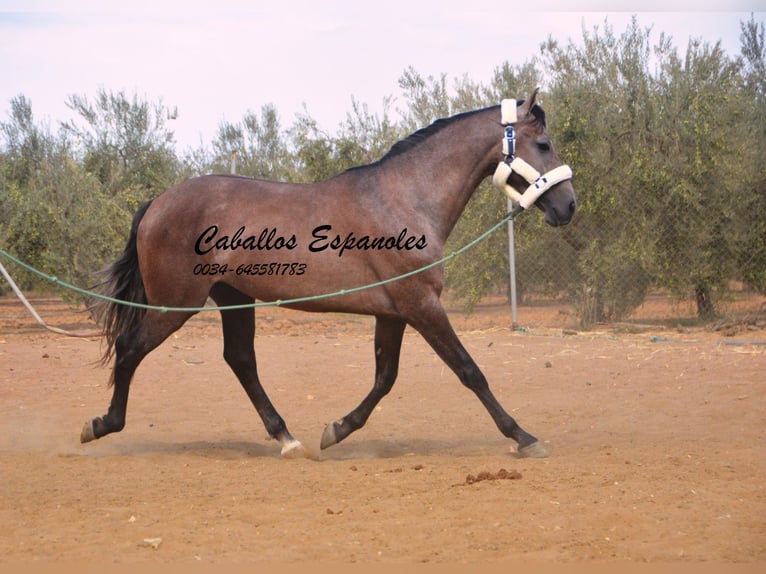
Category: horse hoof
<point>87,434</point>
<point>329,437</point>
<point>534,450</point>
<point>294,449</point>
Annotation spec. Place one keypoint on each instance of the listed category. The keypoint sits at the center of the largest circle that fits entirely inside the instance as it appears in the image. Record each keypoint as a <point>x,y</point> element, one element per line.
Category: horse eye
<point>544,146</point>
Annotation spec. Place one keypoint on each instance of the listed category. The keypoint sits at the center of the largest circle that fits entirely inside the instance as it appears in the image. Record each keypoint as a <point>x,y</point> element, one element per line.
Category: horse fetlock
<point>100,426</point>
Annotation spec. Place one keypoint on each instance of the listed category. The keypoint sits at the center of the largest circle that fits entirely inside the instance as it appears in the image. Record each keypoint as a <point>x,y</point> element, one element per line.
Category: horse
<point>237,240</point>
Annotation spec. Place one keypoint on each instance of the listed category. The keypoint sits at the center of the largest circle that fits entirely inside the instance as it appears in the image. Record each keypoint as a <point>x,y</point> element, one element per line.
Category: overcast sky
<point>214,61</point>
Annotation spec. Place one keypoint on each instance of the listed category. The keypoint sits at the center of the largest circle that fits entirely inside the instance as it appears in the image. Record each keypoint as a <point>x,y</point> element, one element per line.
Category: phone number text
<point>284,269</point>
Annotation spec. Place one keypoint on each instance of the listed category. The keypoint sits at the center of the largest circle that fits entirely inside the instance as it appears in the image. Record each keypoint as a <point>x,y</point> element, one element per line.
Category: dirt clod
<point>501,474</point>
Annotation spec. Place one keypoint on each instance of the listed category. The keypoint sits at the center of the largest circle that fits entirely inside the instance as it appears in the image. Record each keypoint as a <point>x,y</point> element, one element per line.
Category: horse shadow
<point>359,449</point>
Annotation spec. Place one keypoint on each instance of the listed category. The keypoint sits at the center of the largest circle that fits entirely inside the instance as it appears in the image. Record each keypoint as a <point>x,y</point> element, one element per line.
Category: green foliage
<point>362,138</point>
<point>667,150</point>
<point>65,207</point>
<point>750,249</point>
<point>258,145</point>
<point>55,217</point>
<point>604,115</point>
<point>700,104</point>
<point>657,142</point>
<point>123,142</point>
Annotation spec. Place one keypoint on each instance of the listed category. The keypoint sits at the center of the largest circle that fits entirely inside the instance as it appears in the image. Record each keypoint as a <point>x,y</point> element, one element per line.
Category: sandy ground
<point>656,440</point>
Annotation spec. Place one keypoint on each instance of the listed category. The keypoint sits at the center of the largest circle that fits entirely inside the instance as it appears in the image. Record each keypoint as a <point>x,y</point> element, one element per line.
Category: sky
<point>215,61</point>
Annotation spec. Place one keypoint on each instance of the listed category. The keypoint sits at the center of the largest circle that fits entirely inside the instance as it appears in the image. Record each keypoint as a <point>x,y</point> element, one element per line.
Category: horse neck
<point>438,175</point>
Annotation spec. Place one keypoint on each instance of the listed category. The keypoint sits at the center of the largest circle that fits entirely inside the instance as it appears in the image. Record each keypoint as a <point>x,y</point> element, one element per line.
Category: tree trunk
<point>705,308</point>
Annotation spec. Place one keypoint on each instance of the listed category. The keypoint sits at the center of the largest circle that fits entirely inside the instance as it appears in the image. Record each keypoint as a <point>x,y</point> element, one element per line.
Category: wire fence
<point>558,291</point>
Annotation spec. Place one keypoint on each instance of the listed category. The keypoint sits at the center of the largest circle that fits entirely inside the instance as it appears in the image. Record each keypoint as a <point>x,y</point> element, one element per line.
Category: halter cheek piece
<point>539,184</point>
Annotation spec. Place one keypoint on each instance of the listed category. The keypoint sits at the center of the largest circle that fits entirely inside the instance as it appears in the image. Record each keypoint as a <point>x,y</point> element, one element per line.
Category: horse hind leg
<point>130,349</point>
<point>388,344</point>
<point>239,354</point>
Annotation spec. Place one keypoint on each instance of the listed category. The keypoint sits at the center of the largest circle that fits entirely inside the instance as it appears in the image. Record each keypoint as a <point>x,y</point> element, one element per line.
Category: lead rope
<point>37,317</point>
<point>55,280</point>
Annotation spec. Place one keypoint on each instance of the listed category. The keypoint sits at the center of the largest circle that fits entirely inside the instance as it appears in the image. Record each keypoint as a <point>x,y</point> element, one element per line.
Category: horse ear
<point>528,103</point>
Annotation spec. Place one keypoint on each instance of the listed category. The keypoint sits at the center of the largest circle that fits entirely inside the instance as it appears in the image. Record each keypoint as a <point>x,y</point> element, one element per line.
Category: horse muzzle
<point>558,204</point>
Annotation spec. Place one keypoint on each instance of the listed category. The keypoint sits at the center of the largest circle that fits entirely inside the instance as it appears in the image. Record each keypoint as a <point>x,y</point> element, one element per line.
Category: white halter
<point>539,184</point>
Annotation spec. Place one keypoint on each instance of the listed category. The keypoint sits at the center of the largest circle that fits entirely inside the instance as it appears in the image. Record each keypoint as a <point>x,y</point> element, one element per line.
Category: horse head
<point>533,154</point>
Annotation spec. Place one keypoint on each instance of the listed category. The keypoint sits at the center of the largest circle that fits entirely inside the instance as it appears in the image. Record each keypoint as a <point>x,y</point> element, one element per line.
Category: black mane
<point>416,138</point>
<point>539,114</point>
<point>423,134</point>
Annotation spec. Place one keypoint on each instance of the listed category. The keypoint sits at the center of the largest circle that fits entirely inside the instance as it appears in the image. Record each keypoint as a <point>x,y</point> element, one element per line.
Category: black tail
<point>123,282</point>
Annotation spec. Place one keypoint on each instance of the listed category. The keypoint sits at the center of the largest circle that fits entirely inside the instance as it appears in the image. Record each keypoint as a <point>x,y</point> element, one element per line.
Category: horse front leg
<point>433,324</point>
<point>388,343</point>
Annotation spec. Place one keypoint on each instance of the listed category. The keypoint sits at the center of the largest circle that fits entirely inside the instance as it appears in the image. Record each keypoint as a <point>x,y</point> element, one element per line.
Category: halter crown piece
<point>538,184</point>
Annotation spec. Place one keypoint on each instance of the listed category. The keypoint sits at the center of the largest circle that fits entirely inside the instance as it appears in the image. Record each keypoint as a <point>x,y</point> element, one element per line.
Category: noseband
<point>539,184</point>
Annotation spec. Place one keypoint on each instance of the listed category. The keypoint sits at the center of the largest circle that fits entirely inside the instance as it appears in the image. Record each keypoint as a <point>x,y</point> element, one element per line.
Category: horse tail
<point>122,282</point>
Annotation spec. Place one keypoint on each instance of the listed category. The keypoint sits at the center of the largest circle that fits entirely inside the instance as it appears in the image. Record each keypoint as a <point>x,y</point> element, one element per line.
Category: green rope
<point>55,280</point>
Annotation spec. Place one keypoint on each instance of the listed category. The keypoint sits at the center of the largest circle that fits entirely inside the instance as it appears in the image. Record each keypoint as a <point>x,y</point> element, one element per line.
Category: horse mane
<point>418,137</point>
<point>423,134</point>
<point>539,114</point>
